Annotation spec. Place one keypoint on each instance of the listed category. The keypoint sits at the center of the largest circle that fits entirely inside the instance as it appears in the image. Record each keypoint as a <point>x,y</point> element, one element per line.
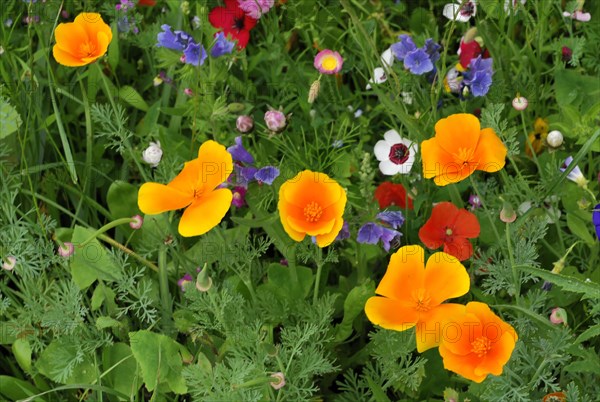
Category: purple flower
<point>245,174</point>
<point>239,196</point>
<point>596,219</point>
<point>404,47</point>
<point>369,233</point>
<point>433,50</point>
<point>187,278</point>
<point>475,201</point>
<point>574,175</point>
<point>393,218</point>
<point>194,53</point>
<point>418,62</point>
<point>387,236</point>
<point>267,174</point>
<point>479,76</point>
<point>222,46</point>
<point>344,233</point>
<point>170,40</point>
<point>239,153</point>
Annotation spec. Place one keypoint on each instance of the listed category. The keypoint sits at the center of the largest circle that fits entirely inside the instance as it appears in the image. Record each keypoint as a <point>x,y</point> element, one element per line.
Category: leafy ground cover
<point>250,200</point>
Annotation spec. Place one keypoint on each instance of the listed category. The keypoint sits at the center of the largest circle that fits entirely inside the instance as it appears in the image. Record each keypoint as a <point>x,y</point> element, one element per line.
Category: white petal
<point>583,17</point>
<point>388,168</point>
<point>387,58</point>
<point>379,75</point>
<point>369,85</point>
<point>450,10</point>
<point>405,167</point>
<point>566,14</point>
<point>382,150</point>
<point>392,137</point>
<point>409,144</point>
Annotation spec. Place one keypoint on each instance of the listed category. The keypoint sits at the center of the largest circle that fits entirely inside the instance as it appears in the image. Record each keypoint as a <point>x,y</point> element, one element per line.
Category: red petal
<point>469,51</point>
<point>466,224</point>
<point>433,233</point>
<point>388,193</point>
<point>459,247</point>
<point>249,23</point>
<point>148,3</point>
<point>221,17</point>
<point>243,37</point>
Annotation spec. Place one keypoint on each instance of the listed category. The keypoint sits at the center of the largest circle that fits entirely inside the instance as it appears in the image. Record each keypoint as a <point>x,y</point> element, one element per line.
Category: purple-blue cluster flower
<point>371,233</point>
<point>344,233</point>
<point>193,53</point>
<point>244,175</point>
<point>596,219</point>
<point>393,218</point>
<point>479,76</point>
<point>222,46</point>
<point>266,175</point>
<point>239,153</point>
<point>418,60</point>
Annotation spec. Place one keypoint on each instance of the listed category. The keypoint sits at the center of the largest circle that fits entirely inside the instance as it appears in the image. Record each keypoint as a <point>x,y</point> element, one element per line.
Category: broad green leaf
<point>92,261</point>
<point>103,295</point>
<point>53,361</point>
<point>580,226</point>
<point>159,359</point>
<point>14,389</point>
<point>22,351</point>
<point>122,371</point>
<point>286,285</point>
<point>353,306</point>
<point>106,322</point>
<point>10,121</point>
<point>588,333</point>
<point>130,96</point>
<point>590,289</point>
<point>113,48</point>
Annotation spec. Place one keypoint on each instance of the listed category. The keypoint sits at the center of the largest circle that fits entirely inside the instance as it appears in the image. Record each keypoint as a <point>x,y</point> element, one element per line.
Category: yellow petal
<point>66,58</point>
<point>188,180</point>
<point>445,278</point>
<point>457,131</point>
<point>155,198</point>
<point>404,273</point>
<point>390,314</point>
<point>490,152</point>
<point>435,324</point>
<point>216,164</point>
<point>205,212</point>
<point>324,240</point>
<point>311,228</point>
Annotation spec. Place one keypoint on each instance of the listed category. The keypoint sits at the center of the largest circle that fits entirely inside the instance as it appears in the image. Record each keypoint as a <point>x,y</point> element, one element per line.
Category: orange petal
<point>326,239</point>
<point>205,213</point>
<point>405,271</point>
<point>497,357</point>
<point>300,225</point>
<point>103,41</point>
<point>457,131</point>
<point>436,324</point>
<point>445,278</point>
<point>466,224</point>
<point>463,365</point>
<point>155,198</point>
<point>188,180</point>
<point>93,23</point>
<point>308,186</point>
<point>454,176</point>
<point>490,152</point>
<point>216,164</point>
<point>69,37</point>
<point>65,58</point>
<point>459,247</point>
<point>441,165</point>
<point>390,314</point>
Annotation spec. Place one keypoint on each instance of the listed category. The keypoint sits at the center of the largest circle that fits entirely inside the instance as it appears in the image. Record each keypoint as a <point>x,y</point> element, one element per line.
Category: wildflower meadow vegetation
<point>300,200</point>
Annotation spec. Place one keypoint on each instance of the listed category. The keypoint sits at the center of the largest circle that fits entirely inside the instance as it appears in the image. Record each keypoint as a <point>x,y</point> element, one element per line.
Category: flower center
<point>421,299</point>
<point>313,211</point>
<point>238,23</point>
<point>463,157</point>
<point>88,49</point>
<point>399,153</point>
<point>329,63</point>
<point>468,9</point>
<point>481,346</point>
<point>198,192</point>
<point>448,232</point>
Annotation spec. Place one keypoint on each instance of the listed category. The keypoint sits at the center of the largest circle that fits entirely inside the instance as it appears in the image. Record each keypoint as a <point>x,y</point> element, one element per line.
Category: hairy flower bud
<point>554,139</point>
<point>153,154</point>
<point>244,123</point>
<point>275,120</point>
<point>313,93</point>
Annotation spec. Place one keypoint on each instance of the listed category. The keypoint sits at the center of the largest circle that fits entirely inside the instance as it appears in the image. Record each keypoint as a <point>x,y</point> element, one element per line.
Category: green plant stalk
<point>513,266</point>
<point>318,277</point>
<point>106,227</point>
<point>165,295</point>
<point>256,381</point>
<point>487,211</point>
<point>128,251</point>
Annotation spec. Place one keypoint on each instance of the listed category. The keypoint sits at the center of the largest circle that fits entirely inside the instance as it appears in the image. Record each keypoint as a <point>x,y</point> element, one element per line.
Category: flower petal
<point>436,161</point>
<point>445,278</point>
<point>389,168</point>
<point>66,58</point>
<point>216,164</point>
<point>391,314</point>
<point>301,225</point>
<point>459,247</point>
<point>382,150</point>
<point>188,179</point>
<point>406,269</point>
<point>433,325</point>
<point>205,213</point>
<point>498,356</point>
<point>457,131</point>
<point>326,239</point>
<point>465,224</point>
<point>155,198</point>
<point>433,232</point>
<point>392,137</point>
<point>490,151</point>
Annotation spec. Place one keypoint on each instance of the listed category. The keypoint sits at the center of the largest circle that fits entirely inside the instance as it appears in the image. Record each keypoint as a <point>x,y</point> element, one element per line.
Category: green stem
<point>165,295</point>
<point>128,251</point>
<point>487,212</point>
<point>106,227</point>
<point>256,381</point>
<point>513,266</point>
<point>319,270</point>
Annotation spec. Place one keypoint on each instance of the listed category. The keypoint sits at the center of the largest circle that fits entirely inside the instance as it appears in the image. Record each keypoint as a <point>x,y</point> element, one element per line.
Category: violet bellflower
<point>193,53</point>
<point>479,76</point>
<point>371,233</point>
<point>418,60</point>
<point>222,46</point>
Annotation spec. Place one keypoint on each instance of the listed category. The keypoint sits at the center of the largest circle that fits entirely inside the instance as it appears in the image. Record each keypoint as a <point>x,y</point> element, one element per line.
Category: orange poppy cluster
<point>472,340</point>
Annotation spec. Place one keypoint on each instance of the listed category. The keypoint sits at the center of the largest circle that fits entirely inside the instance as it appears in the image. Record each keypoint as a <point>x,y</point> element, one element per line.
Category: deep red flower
<point>452,228</point>
<point>392,194</point>
<point>148,3</point>
<point>468,51</point>
<point>567,53</point>
<point>233,21</point>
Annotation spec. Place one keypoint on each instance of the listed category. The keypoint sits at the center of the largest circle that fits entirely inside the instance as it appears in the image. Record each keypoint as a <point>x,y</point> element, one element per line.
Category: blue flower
<point>596,219</point>
<point>418,62</point>
<point>344,233</point>
<point>433,50</point>
<point>404,47</point>
<point>239,153</point>
<point>194,53</point>
<point>222,46</point>
<point>267,174</point>
<point>245,174</point>
<point>387,236</point>
<point>369,233</point>
<point>479,76</point>
<point>393,218</point>
<point>170,40</point>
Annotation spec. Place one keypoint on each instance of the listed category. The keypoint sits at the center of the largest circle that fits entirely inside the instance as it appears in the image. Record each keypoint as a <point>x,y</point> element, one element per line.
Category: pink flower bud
<point>66,249</point>
<point>558,316</point>
<point>137,222</point>
<point>507,214</point>
<point>188,91</point>
<point>520,103</point>
<point>279,384</point>
<point>244,123</point>
<point>9,263</point>
<point>275,120</point>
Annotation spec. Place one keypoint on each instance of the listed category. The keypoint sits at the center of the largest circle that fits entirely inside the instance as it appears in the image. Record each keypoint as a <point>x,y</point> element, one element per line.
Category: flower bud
<point>137,222</point>
<point>520,103</point>
<point>203,281</point>
<point>188,91</point>
<point>236,107</point>
<point>275,120</point>
<point>558,316</point>
<point>281,380</point>
<point>9,263</point>
<point>313,92</point>
<point>187,278</point>
<point>66,249</point>
<point>244,123</point>
<point>153,154</point>
<point>567,53</point>
<point>554,139</point>
<point>507,214</point>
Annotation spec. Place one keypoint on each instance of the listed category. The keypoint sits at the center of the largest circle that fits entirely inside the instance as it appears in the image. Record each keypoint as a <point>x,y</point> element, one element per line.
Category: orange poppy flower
<point>555,397</point>
<point>460,147</point>
<point>82,41</point>
<point>452,228</point>
<point>412,294</point>
<point>194,189</point>
<point>312,204</point>
<point>477,343</point>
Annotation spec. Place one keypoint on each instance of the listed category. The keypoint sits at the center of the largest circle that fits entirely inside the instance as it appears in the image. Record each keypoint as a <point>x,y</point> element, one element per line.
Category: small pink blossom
<point>244,123</point>
<point>328,62</point>
<point>558,316</point>
<point>275,120</point>
<point>280,384</point>
<point>137,222</point>
<point>256,8</point>
<point>9,263</point>
<point>578,15</point>
<point>66,249</point>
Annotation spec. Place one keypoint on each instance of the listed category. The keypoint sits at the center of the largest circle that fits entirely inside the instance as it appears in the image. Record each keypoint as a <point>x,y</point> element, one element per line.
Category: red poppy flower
<point>392,194</point>
<point>233,21</point>
<point>450,227</point>
<point>148,3</point>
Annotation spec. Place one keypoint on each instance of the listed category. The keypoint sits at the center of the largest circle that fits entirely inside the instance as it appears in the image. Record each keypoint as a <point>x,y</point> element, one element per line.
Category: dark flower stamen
<point>399,153</point>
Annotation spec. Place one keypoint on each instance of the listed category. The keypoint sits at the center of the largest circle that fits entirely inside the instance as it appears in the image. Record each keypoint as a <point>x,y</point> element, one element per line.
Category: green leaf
<point>159,359</point>
<point>92,261</point>
<point>130,96</point>
<point>579,226</point>
<point>10,121</point>
<point>588,334</point>
<point>22,352</point>
<point>286,285</point>
<point>590,289</point>
<point>54,359</point>
<point>254,223</point>
<point>14,389</point>
<point>353,306</point>
<point>106,322</point>
<point>124,375</point>
<point>584,366</point>
<point>113,49</point>
<point>103,295</point>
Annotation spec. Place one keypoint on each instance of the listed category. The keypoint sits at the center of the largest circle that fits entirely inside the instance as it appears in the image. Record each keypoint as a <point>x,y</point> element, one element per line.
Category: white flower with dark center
<point>395,154</point>
<point>461,11</point>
